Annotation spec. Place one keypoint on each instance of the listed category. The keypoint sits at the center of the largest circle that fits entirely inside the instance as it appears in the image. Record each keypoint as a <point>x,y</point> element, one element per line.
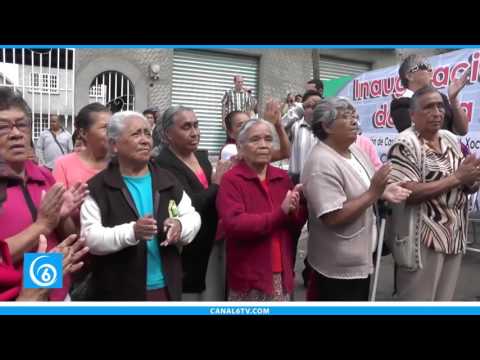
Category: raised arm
<point>460,120</point>
<point>273,114</point>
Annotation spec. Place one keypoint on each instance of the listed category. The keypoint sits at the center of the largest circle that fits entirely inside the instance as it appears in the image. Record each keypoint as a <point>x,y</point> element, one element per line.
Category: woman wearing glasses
<point>342,187</point>
<point>415,73</point>
<point>31,203</point>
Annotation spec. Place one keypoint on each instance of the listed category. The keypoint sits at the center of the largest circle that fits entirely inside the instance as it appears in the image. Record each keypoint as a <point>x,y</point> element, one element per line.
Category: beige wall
<point>281,70</point>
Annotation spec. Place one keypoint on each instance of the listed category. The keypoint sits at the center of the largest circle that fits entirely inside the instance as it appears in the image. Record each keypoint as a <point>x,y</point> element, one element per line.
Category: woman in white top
<point>233,123</point>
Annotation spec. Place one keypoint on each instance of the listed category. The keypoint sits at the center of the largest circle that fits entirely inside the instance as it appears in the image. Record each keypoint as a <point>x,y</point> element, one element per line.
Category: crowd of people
<point>140,213</point>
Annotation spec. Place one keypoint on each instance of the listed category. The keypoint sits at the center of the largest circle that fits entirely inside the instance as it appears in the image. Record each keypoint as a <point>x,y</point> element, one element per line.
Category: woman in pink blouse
<point>91,123</point>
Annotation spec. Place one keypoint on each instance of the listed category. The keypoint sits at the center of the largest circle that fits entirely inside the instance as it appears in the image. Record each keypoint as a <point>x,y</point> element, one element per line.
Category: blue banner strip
<point>243,46</point>
<point>238,310</point>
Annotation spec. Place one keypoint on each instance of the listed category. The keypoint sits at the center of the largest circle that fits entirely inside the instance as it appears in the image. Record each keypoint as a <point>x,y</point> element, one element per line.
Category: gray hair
<point>346,100</point>
<point>429,89</point>
<point>244,130</point>
<point>168,118</point>
<point>326,112</point>
<point>409,62</point>
<point>118,121</point>
<point>11,98</point>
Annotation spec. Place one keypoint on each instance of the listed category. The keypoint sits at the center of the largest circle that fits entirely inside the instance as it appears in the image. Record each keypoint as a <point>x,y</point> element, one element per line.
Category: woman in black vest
<point>135,219</point>
<point>194,171</point>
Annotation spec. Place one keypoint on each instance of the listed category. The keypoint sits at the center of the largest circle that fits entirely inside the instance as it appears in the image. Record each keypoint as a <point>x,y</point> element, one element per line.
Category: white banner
<point>373,91</point>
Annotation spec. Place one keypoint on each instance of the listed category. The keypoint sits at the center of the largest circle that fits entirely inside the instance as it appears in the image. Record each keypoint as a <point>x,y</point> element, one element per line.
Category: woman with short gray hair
<point>194,172</point>
<point>341,188</point>
<point>362,141</point>
<point>261,213</point>
<point>118,122</point>
<point>136,219</point>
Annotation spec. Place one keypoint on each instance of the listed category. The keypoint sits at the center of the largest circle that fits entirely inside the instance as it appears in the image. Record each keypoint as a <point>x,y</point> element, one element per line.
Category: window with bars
<point>39,123</point>
<point>97,91</point>
<point>44,82</point>
<point>113,89</point>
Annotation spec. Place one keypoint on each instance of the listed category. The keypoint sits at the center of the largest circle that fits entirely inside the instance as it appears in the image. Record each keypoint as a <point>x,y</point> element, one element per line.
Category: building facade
<point>134,79</point>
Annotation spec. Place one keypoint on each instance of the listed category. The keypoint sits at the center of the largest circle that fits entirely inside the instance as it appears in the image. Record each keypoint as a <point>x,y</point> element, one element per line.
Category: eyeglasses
<point>349,115</point>
<point>421,66</point>
<point>6,126</point>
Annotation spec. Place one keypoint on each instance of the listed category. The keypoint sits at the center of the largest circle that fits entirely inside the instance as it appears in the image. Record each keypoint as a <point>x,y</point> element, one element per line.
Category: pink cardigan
<point>368,148</point>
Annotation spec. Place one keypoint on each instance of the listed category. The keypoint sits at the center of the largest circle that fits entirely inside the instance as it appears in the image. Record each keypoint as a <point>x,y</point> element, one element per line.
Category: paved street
<point>468,286</point>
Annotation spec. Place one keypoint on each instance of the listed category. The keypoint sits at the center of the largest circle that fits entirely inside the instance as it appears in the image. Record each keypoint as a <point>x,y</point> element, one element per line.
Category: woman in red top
<point>11,288</point>
<point>261,214</point>
<point>31,203</point>
<point>11,278</point>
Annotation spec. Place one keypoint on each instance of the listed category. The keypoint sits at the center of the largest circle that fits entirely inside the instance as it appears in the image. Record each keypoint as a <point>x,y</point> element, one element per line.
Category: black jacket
<point>196,254</point>
<point>122,276</point>
<point>399,110</point>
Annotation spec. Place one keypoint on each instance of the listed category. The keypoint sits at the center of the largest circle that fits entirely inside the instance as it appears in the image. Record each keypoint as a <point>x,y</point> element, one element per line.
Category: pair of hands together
<point>382,187</point>
<point>146,228</point>
<point>291,202</point>
<point>73,249</point>
<point>58,203</point>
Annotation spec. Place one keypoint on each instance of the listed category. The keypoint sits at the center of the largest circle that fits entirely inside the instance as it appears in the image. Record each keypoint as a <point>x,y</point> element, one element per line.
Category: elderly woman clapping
<point>261,213</point>
<point>342,188</point>
<point>31,203</point>
<point>430,228</point>
<point>135,218</point>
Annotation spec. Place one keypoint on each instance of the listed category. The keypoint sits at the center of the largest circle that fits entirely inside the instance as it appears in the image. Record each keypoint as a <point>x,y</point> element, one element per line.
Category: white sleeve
<point>100,239</point>
<point>229,151</point>
<point>39,148</point>
<point>189,218</point>
<point>70,144</point>
<point>292,116</point>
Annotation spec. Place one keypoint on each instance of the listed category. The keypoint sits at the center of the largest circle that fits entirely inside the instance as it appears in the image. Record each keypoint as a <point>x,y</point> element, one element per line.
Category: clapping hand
<point>73,198</point>
<point>396,193</point>
<point>173,229</point>
<point>145,228</point>
<point>457,85</point>
<point>272,112</point>
<point>291,202</point>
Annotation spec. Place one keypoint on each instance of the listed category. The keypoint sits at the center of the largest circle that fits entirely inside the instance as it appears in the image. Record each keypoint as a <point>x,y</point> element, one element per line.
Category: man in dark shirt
<point>415,73</point>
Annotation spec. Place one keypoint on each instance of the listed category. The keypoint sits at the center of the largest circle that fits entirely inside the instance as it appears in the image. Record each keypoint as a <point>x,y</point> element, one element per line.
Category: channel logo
<point>42,270</point>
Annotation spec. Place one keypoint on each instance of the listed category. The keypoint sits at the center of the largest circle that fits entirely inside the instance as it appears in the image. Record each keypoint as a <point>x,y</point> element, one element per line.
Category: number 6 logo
<point>43,270</point>
<point>48,273</point>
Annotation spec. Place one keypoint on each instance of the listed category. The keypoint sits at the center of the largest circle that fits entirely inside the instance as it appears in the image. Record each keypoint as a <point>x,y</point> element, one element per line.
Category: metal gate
<point>200,79</point>
<point>113,89</point>
<point>333,68</point>
<point>46,78</point>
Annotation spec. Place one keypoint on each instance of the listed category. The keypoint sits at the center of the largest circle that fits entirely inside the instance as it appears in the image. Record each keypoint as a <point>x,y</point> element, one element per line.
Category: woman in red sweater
<point>261,213</point>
